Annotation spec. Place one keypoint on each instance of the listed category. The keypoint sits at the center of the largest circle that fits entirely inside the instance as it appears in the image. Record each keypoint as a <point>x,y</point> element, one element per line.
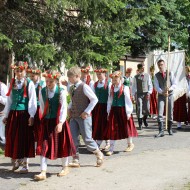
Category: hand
<point>64,82</point>
<point>31,121</point>
<point>59,127</point>
<point>133,100</point>
<point>148,96</point>
<point>5,120</point>
<point>1,114</point>
<point>84,115</point>
<point>128,116</point>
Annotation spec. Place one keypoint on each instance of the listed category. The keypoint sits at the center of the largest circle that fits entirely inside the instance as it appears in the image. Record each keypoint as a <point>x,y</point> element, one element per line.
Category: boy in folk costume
<point>56,139</point>
<point>34,74</point>
<point>19,117</point>
<point>141,90</point>
<point>119,109</point>
<point>83,100</point>
<point>153,97</point>
<point>99,114</point>
<point>3,100</point>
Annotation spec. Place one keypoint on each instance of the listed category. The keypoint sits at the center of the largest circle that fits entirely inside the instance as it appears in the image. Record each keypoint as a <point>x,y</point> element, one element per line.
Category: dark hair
<point>159,61</point>
<point>140,66</point>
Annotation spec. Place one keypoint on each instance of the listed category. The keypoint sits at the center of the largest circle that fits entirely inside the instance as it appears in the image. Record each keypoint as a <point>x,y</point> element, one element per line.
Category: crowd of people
<point>39,122</point>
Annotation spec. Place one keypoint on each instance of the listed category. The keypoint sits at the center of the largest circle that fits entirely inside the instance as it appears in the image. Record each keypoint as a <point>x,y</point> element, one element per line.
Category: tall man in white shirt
<point>160,83</point>
<point>3,100</point>
<point>83,100</point>
<point>141,90</point>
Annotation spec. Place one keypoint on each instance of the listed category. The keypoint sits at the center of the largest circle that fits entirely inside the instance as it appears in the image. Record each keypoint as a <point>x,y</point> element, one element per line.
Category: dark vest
<point>142,83</point>
<point>102,94</point>
<point>119,102</point>
<point>79,102</point>
<point>163,81</point>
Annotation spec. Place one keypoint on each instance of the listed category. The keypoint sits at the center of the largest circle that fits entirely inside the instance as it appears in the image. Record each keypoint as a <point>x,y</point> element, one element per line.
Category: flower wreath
<point>85,70</point>
<point>21,67</point>
<point>100,70</point>
<point>112,75</point>
<point>34,71</point>
<point>52,76</point>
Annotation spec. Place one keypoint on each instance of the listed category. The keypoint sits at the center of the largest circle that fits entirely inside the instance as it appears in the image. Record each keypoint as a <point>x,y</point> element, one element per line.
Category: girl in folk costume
<point>85,76</point>
<point>128,80</point>
<point>153,97</point>
<point>56,140</point>
<point>99,114</point>
<point>180,113</point>
<point>120,108</point>
<point>19,117</point>
<point>34,74</point>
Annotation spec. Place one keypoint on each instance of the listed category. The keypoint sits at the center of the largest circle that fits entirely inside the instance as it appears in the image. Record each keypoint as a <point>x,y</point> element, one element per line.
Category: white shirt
<point>91,84</point>
<point>32,103</point>
<point>172,87</point>
<point>91,96</point>
<point>134,86</point>
<point>128,102</point>
<point>3,92</point>
<point>63,102</point>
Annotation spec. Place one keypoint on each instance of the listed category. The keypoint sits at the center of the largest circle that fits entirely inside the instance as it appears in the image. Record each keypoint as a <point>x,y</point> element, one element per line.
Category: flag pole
<point>167,83</point>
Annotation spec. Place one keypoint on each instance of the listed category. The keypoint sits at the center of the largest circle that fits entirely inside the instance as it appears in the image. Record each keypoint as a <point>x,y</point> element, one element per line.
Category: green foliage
<point>5,42</point>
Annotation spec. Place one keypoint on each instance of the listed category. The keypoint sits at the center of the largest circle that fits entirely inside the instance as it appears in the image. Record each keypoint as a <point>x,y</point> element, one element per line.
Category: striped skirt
<point>54,145</point>
<point>19,136</point>
<point>118,125</point>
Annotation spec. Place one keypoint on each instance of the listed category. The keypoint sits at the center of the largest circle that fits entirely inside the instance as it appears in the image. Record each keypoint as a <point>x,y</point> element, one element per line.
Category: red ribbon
<point>88,80</point>
<point>10,87</point>
<point>120,90</point>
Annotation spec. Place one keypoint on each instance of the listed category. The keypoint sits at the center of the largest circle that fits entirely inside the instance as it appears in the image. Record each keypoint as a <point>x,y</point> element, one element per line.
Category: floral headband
<point>52,76</point>
<point>21,65</point>
<point>34,71</point>
<point>100,70</point>
<point>85,70</point>
<point>115,74</point>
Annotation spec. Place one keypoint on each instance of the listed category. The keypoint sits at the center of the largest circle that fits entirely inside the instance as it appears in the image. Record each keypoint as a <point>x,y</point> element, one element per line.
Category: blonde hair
<point>73,71</point>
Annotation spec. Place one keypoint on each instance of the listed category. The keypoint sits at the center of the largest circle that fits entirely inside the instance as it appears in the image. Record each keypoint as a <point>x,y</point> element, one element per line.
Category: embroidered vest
<point>120,102</point>
<point>102,94</point>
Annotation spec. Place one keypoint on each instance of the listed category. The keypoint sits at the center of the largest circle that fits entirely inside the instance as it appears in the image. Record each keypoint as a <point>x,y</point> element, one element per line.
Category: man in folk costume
<point>160,83</point>
<point>141,90</point>
<point>56,139</point>
<point>153,97</point>
<point>119,109</point>
<point>83,101</point>
<point>19,118</point>
<point>35,75</point>
<point>3,100</point>
<point>99,114</point>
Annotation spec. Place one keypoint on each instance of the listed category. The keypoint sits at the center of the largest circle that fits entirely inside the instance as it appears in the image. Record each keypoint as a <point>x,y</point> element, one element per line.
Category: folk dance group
<point>36,113</point>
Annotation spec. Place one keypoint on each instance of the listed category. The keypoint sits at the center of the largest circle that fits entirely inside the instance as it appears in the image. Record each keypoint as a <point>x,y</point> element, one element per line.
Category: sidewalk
<point>155,164</point>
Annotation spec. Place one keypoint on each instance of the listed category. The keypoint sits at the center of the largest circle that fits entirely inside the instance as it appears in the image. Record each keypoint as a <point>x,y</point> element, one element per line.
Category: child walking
<point>56,139</point>
<point>82,103</point>
<point>120,108</point>
<point>19,117</point>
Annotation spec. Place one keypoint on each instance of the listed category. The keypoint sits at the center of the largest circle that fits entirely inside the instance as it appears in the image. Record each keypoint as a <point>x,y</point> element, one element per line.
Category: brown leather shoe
<point>130,147</point>
<point>109,153</point>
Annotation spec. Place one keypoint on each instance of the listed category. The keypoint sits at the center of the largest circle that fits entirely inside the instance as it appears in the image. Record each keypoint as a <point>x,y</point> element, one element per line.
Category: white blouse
<point>128,102</point>
<point>32,103</point>
<point>3,92</point>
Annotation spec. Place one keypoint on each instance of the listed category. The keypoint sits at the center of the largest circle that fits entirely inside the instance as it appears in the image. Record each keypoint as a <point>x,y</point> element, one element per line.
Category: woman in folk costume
<point>180,113</point>
<point>34,74</point>
<point>153,97</point>
<point>119,109</point>
<point>19,117</point>
<point>99,114</point>
<point>85,76</point>
<point>56,140</point>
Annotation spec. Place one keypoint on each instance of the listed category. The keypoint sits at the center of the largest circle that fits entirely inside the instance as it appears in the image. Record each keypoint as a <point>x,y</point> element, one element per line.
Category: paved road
<point>155,164</point>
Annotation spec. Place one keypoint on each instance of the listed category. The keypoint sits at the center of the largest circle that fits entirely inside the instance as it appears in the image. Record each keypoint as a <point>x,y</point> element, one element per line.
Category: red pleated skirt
<point>153,103</point>
<point>118,125</point>
<point>37,125</point>
<point>19,136</point>
<point>99,122</point>
<point>180,109</point>
<point>54,145</point>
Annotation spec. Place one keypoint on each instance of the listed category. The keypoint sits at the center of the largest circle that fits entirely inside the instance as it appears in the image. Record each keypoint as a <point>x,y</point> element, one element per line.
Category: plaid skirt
<point>118,125</point>
<point>19,136</point>
<point>54,145</point>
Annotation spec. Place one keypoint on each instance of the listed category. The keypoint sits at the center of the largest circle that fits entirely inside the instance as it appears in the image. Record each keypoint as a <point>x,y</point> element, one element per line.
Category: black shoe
<point>144,121</point>
<point>170,132</point>
<point>160,134</point>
